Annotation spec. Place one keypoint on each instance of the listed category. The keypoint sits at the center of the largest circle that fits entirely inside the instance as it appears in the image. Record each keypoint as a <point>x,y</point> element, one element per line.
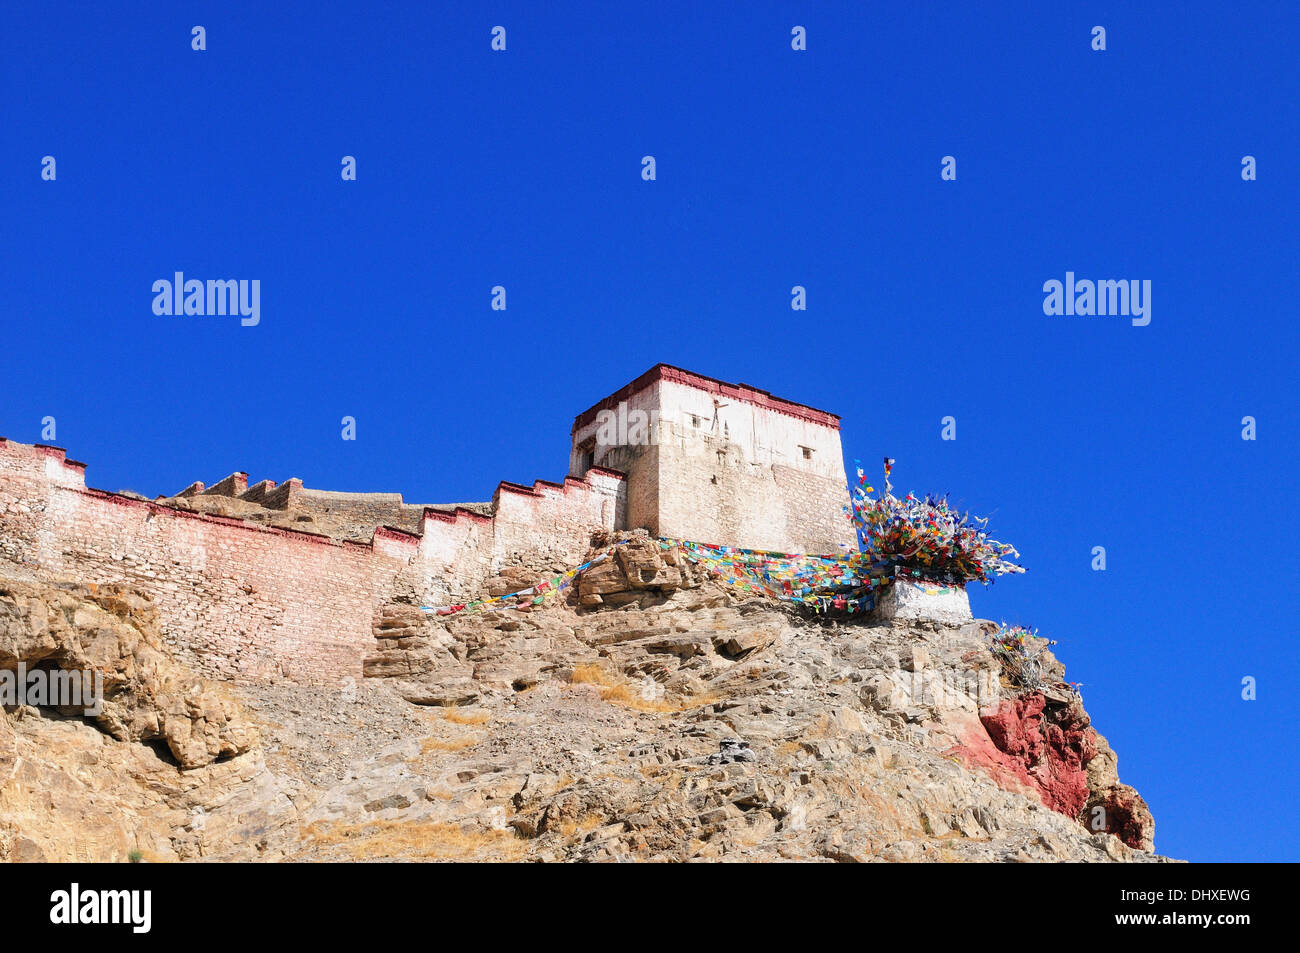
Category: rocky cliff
<point>652,716</point>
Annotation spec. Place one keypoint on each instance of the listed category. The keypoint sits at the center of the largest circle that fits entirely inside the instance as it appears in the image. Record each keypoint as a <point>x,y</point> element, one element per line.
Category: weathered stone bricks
<point>727,463</point>
<point>241,599</point>
<point>722,463</point>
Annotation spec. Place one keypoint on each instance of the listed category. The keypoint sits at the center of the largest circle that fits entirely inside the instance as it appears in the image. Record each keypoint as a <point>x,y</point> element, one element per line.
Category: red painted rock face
<point>1052,747</point>
<point>1026,746</point>
<point>1127,817</point>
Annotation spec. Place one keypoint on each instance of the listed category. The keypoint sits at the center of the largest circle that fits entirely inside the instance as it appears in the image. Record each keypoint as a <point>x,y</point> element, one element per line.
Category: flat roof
<point>741,392</point>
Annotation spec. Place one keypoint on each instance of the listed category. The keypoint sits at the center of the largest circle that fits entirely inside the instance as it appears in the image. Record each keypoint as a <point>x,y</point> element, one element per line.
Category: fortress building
<point>282,581</point>
<point>720,463</point>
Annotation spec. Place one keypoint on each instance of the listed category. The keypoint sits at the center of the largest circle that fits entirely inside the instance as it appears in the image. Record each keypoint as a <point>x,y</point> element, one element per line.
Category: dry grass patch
<point>431,744</point>
<point>589,674</point>
<point>618,690</point>
<point>458,717</point>
<point>699,701</point>
<point>630,696</point>
<point>583,825</point>
<point>424,841</point>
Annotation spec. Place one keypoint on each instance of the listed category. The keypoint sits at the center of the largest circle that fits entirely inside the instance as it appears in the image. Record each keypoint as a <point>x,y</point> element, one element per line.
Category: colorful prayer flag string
<point>920,540</point>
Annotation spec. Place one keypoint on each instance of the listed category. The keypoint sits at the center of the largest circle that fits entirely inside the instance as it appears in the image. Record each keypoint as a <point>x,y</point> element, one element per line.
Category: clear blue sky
<point>775,168</point>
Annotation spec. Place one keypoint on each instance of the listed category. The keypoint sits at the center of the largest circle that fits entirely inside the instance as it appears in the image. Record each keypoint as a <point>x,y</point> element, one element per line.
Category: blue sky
<point>775,168</point>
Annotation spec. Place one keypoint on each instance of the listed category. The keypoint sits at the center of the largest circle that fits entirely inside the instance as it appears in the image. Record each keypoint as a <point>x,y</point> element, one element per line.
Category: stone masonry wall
<point>245,600</point>
<point>723,463</point>
<point>727,499</point>
<point>361,509</point>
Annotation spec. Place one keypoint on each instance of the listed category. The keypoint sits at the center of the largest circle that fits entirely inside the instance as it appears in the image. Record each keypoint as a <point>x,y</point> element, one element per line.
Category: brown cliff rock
<point>111,632</point>
<point>650,713</point>
<point>167,770</point>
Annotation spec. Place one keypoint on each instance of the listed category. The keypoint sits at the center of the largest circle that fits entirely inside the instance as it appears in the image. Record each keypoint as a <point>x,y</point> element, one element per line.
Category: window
<point>807,452</point>
<point>586,455</point>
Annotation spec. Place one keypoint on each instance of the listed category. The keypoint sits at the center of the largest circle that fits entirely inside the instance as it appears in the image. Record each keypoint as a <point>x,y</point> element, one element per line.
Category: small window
<point>695,421</point>
<point>586,455</point>
<point>807,452</point>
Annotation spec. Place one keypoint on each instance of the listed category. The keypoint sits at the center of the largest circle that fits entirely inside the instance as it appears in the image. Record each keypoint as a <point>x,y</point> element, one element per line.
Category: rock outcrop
<point>135,771</point>
<point>110,634</point>
<point>680,722</point>
<point>650,714</point>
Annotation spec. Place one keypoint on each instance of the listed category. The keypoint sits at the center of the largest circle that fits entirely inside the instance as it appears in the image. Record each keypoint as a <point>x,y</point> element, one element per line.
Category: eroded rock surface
<point>651,716</point>
<point>145,772</point>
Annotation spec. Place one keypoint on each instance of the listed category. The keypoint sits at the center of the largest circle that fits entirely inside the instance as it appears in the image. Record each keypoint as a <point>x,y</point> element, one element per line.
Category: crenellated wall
<point>240,599</point>
<point>247,591</point>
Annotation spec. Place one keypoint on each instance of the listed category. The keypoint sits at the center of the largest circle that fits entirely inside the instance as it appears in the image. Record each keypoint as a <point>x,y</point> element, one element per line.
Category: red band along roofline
<point>711,385</point>
<point>453,515</point>
<point>583,483</point>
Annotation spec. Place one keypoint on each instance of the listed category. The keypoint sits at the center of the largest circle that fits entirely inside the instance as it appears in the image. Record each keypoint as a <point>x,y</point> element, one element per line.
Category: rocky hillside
<point>655,716</point>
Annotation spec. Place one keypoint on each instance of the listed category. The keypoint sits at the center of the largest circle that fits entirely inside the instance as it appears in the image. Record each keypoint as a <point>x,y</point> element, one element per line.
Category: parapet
<point>42,461</point>
<point>744,393</point>
<point>233,485</point>
<point>255,583</point>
